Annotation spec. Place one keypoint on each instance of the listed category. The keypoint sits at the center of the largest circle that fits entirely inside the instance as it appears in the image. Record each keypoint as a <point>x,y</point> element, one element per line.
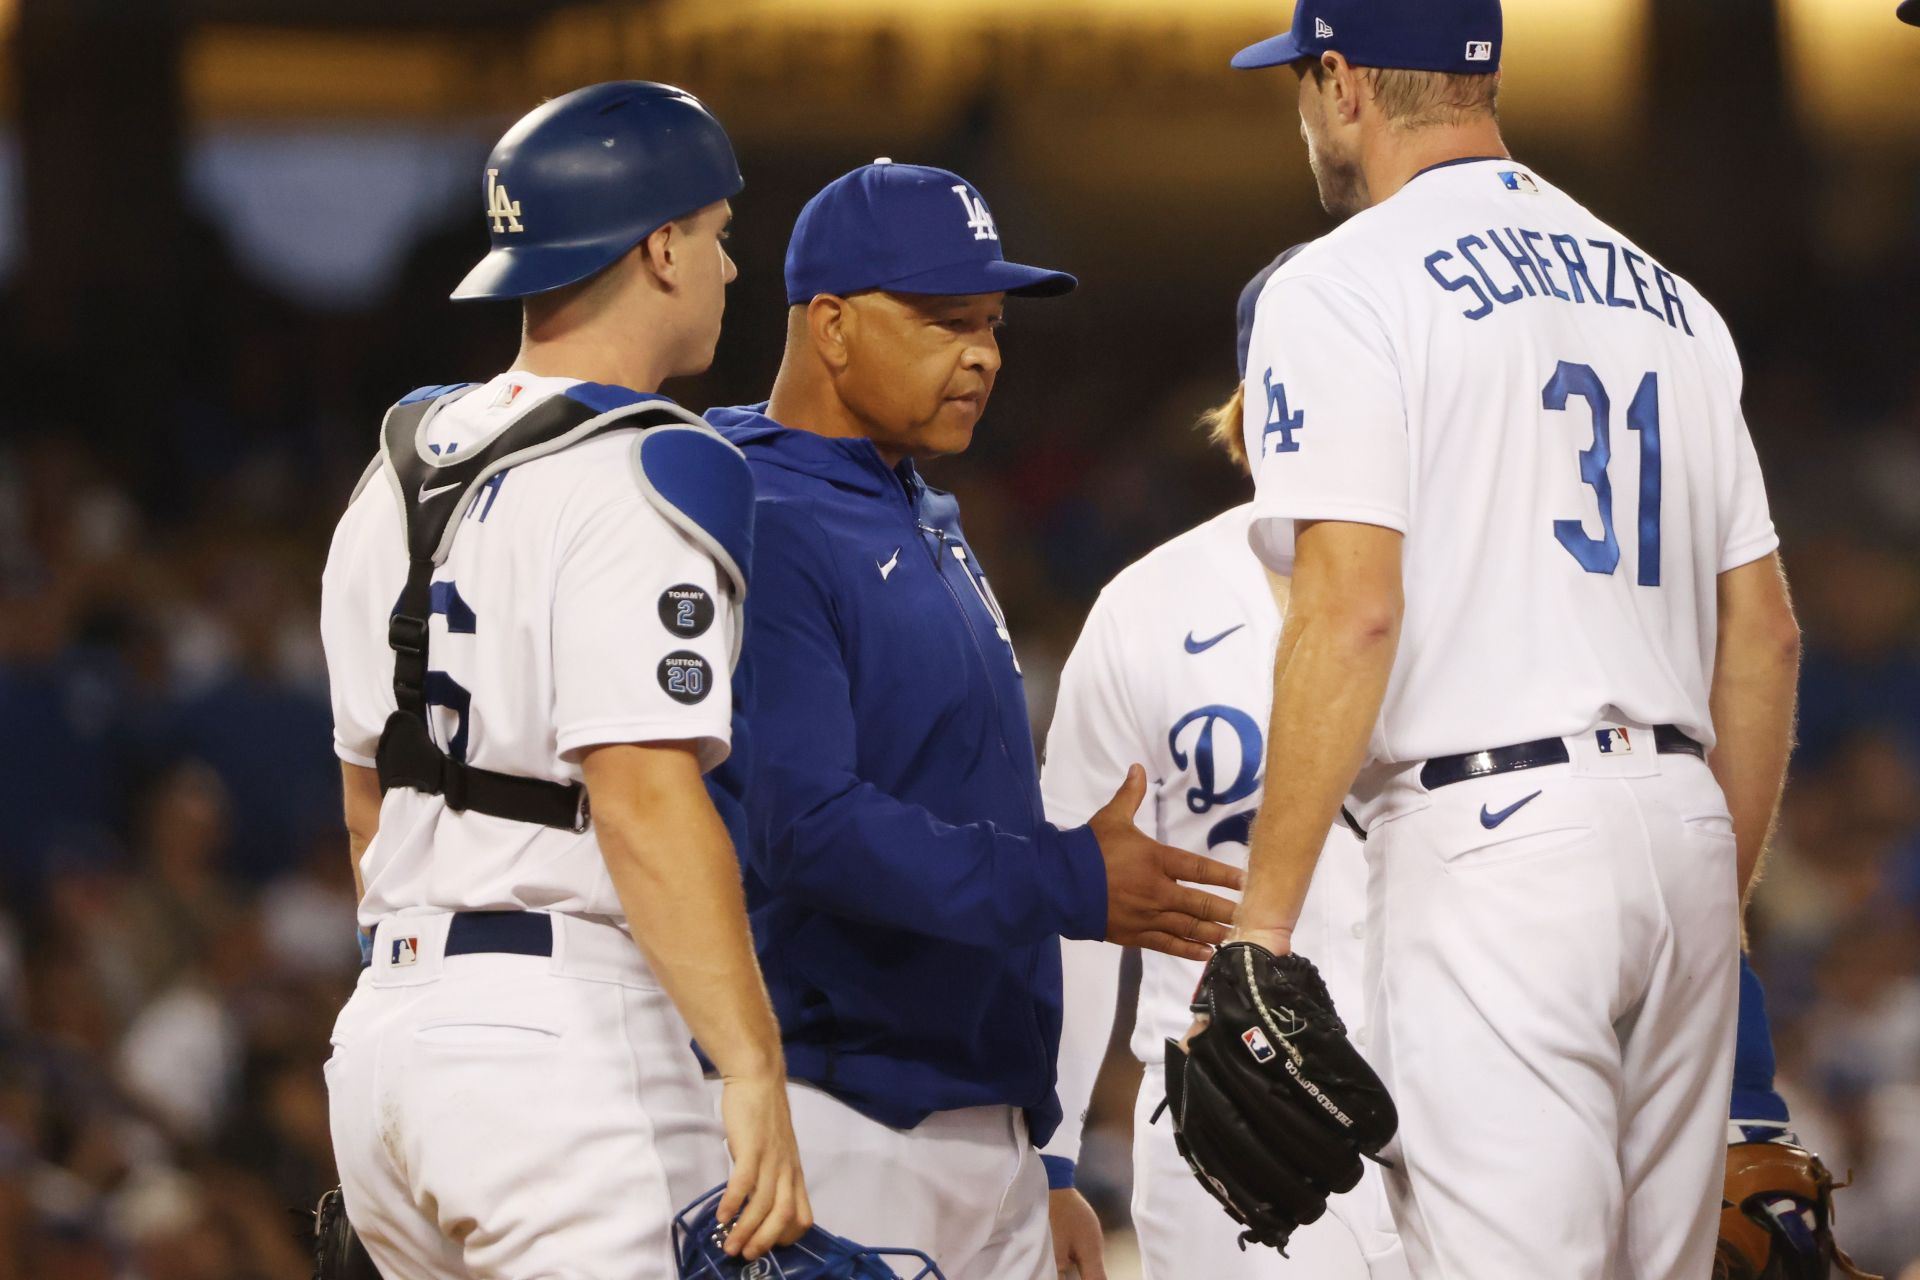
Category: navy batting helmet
<point>699,1240</point>
<point>585,177</point>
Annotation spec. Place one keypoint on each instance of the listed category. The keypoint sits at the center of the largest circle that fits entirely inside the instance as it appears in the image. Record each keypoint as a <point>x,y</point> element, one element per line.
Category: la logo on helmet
<point>504,211</point>
<point>979,221</point>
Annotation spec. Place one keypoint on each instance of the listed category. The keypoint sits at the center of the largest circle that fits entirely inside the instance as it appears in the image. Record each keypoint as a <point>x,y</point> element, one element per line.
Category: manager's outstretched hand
<point>1147,905</point>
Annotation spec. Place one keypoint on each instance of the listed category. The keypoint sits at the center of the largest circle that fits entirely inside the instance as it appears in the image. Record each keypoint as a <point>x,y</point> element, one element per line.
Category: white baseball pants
<point>1552,968</point>
<point>508,1117</point>
<point>964,1187</point>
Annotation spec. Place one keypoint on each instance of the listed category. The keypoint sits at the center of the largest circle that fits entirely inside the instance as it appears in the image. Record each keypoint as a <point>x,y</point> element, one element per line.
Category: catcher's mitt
<point>1776,1217</point>
<point>337,1251</point>
<point>1272,1105</point>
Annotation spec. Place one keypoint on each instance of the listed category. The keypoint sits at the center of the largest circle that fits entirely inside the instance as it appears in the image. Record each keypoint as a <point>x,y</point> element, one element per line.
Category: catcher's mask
<point>699,1239</point>
<point>1775,1211</point>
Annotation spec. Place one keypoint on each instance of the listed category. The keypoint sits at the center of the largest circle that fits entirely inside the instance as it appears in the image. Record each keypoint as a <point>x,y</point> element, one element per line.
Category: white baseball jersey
<point>568,614</point>
<point>1174,671</point>
<point>1549,416</point>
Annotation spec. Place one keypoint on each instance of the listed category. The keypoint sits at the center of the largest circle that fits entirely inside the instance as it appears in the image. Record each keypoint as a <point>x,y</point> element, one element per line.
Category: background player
<point>1448,397</point>
<point>512,1089</point>
<point>1174,668</point>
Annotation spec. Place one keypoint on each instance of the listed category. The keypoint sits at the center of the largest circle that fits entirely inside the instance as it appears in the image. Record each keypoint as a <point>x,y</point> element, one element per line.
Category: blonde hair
<point>1224,427</point>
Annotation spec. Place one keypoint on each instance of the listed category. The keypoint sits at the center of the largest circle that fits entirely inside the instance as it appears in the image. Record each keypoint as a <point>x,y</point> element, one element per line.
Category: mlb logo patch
<point>405,950</point>
<point>1256,1044</point>
<point>1479,51</point>
<point>1614,742</point>
<point>1514,180</point>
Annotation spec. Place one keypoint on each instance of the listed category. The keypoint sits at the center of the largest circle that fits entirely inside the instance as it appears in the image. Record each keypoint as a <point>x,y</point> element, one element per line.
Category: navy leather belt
<point>1444,771</point>
<point>520,933</point>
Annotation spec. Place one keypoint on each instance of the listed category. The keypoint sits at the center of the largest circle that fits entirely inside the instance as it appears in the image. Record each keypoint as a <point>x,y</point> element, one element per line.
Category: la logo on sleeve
<point>1280,422</point>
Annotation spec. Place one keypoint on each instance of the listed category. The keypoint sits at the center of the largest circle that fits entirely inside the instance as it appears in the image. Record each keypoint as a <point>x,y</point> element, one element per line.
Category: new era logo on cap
<point>1321,30</point>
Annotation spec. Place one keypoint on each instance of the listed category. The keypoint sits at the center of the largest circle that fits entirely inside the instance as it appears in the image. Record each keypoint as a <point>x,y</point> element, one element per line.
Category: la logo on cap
<point>979,221</point>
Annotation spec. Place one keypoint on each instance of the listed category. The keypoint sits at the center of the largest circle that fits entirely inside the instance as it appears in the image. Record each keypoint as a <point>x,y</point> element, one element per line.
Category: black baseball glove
<point>337,1251</point>
<point>1272,1105</point>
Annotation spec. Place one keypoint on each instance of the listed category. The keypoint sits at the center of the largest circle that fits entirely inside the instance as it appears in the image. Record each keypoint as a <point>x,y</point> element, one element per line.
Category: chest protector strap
<point>434,494</point>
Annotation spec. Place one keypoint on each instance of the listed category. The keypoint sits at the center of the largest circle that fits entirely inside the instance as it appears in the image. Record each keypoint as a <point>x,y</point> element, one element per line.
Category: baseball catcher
<point>1272,1105</point>
<point>1776,1219</point>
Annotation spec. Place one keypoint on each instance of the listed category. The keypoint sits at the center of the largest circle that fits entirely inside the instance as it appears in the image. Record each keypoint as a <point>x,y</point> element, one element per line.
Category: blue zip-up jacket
<point>907,898</point>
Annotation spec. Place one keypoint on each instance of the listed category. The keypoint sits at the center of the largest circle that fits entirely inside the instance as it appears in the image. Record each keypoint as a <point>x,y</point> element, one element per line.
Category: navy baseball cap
<point>1461,36</point>
<point>905,228</point>
<point>1909,11</point>
<point>1250,299</point>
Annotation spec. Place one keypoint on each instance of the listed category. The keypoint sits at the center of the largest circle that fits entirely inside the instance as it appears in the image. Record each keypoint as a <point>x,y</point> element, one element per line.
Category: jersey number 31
<point>1602,554</point>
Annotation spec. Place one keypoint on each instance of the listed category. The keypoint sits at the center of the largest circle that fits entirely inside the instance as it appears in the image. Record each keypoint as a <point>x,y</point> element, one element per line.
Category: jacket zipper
<point>1039,1039</point>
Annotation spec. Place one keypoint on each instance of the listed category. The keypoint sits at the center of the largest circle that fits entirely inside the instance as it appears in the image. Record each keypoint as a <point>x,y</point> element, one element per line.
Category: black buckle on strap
<point>453,784</point>
<point>406,634</point>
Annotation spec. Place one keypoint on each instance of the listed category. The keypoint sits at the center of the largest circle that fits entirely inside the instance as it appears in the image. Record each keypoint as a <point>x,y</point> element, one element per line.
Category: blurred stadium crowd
<point>176,916</point>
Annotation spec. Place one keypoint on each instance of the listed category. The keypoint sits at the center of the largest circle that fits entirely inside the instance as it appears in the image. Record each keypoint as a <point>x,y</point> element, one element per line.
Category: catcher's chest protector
<point>433,494</point>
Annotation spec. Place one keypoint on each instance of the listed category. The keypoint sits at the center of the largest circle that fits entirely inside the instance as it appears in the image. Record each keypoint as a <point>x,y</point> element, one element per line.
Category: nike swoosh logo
<point>1201,646</point>
<point>887,568</point>
<point>1492,820</point>
<point>436,491</point>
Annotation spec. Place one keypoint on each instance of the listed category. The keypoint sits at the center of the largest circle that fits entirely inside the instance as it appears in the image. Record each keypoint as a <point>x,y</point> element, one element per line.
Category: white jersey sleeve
<point>620,673</point>
<point>1317,342</point>
<point>1093,740</point>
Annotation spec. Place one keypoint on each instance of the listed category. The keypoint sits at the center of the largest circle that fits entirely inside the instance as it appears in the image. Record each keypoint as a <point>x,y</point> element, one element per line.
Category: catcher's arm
<point>360,787</point>
<point>673,867</point>
<point>1330,676</point>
